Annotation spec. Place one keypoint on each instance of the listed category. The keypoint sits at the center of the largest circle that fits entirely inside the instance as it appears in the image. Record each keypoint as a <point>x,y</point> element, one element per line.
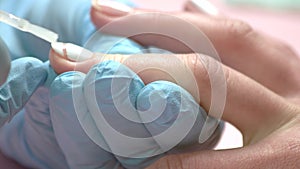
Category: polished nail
<point>71,51</point>
<point>111,7</point>
<point>203,6</point>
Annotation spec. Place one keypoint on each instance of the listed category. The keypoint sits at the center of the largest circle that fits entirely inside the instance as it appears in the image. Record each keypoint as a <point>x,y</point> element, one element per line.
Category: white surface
<point>231,138</point>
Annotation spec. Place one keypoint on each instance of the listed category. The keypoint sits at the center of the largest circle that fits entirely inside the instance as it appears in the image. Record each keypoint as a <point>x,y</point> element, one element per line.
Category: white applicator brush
<point>26,26</point>
<point>73,52</point>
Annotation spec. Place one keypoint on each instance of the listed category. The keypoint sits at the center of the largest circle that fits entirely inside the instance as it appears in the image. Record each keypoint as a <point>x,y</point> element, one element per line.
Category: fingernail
<point>111,7</point>
<point>203,6</point>
<point>71,51</point>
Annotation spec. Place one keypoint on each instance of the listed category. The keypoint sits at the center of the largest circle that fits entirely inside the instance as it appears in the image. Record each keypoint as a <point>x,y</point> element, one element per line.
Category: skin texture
<point>262,86</point>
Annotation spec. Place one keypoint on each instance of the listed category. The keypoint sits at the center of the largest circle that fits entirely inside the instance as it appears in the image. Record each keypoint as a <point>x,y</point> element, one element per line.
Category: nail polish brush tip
<point>26,26</point>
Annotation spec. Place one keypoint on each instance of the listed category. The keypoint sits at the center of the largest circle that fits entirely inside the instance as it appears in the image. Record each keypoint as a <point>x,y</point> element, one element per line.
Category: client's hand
<point>254,109</point>
<point>262,58</point>
<point>269,122</point>
<point>158,116</point>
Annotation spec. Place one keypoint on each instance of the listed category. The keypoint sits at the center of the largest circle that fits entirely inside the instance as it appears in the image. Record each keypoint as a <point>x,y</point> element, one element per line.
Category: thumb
<point>174,31</point>
<point>106,11</point>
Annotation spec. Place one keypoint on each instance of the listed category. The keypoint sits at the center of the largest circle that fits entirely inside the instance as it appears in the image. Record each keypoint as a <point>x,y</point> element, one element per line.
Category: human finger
<point>280,149</point>
<point>238,45</point>
<point>201,6</point>
<point>150,120</point>
<point>242,107</point>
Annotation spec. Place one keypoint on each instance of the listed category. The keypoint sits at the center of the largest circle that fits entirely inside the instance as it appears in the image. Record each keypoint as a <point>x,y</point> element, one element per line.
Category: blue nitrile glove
<point>72,23</point>
<point>108,89</point>
<point>4,62</point>
<point>25,76</point>
<point>70,19</point>
<point>29,138</point>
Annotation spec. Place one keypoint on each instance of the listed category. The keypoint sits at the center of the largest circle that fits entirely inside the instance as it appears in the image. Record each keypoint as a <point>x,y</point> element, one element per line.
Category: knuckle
<point>199,64</point>
<point>228,76</point>
<point>208,70</point>
<point>237,28</point>
<point>287,48</point>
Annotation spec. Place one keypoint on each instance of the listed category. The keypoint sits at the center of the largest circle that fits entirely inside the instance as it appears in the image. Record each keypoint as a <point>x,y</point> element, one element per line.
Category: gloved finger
<point>29,138</point>
<point>207,74</point>
<point>26,75</point>
<point>5,62</point>
<point>154,28</point>
<point>173,117</point>
<point>79,150</point>
<point>110,91</point>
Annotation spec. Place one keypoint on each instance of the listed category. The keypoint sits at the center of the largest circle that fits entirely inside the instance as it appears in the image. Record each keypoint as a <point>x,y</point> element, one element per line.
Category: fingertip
<point>189,7</point>
<point>59,63</point>
<point>66,82</point>
<point>98,18</point>
<point>106,11</point>
<point>94,4</point>
<point>201,6</point>
<point>68,57</point>
<point>114,79</point>
<point>165,106</point>
<point>164,100</point>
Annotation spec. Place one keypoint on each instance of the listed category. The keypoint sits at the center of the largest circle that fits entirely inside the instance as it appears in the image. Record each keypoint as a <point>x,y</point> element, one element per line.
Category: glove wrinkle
<point>26,75</point>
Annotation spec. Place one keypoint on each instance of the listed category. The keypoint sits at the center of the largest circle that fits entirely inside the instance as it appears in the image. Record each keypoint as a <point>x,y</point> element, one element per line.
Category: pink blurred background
<point>283,25</point>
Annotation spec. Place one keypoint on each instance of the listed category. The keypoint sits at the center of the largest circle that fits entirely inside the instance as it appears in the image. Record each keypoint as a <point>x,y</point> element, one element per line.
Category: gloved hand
<point>68,136</point>
<point>69,19</point>
<point>240,47</point>
<point>25,76</point>
<point>48,14</point>
<point>25,137</point>
<point>108,90</point>
<point>30,137</point>
<point>4,62</point>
